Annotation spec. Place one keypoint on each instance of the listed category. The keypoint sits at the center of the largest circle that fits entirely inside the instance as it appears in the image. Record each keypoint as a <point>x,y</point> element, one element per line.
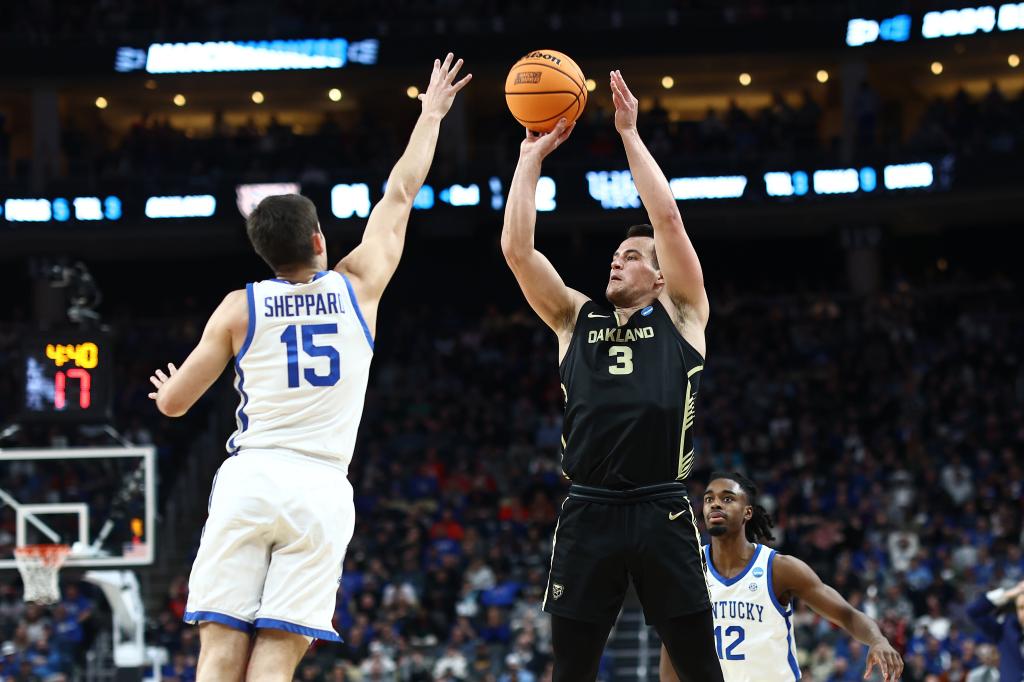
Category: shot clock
<point>68,376</point>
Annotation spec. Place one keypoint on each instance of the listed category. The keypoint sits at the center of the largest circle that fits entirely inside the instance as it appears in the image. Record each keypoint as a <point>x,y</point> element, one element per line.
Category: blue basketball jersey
<point>753,632</point>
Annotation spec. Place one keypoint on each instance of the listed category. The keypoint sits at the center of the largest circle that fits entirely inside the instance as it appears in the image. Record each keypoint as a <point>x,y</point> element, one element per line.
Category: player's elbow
<point>666,217</point>
<point>170,406</point>
<point>513,251</point>
<point>401,190</point>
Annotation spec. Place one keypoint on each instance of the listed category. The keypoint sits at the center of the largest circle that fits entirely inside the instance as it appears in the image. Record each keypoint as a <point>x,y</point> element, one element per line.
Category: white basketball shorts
<point>273,545</point>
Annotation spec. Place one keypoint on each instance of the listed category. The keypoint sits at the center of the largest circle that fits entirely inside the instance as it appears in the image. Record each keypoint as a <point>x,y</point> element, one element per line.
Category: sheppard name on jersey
<point>619,335</point>
<point>737,610</point>
<point>303,304</point>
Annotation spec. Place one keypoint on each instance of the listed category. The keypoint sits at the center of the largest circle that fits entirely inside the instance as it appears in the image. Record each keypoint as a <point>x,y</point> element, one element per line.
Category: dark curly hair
<point>759,527</point>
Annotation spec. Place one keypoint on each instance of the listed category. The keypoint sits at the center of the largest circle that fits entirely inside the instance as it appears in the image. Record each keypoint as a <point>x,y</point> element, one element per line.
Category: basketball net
<point>39,566</point>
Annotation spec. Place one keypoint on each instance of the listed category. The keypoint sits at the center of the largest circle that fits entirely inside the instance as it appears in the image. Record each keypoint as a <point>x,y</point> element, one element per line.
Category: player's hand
<point>888,660</point>
<point>159,378</point>
<point>542,144</point>
<point>442,89</point>
<point>626,105</point>
<point>1015,591</point>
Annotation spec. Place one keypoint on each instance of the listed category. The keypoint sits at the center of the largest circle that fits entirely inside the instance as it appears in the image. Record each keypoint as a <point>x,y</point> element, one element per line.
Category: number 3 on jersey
<point>623,360</point>
<point>291,341</point>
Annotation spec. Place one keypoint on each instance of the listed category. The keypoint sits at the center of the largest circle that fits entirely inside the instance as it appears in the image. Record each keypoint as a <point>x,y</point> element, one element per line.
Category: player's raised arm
<point>797,579</point>
<point>179,389</point>
<point>684,280</point>
<point>544,289</point>
<point>371,264</point>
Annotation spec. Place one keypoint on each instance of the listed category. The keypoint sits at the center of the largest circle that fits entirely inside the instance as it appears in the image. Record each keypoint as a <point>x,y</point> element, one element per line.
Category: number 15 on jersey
<point>290,338</point>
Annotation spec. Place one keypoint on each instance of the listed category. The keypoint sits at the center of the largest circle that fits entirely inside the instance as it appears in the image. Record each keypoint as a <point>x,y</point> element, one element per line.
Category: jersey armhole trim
<point>575,329</point>
<point>785,613</point>
<point>243,419</point>
<point>359,313</point>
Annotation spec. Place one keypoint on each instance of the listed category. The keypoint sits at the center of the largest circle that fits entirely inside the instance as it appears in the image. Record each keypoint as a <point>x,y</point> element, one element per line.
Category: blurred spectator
<point>1006,630</point>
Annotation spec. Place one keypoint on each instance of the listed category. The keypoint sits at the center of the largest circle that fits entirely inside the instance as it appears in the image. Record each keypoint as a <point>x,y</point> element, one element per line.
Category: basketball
<point>544,86</point>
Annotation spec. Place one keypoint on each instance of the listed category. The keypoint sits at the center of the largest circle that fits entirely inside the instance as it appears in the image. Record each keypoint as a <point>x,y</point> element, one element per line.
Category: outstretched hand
<point>159,378</point>
<point>543,144</point>
<point>888,660</point>
<point>626,105</point>
<point>442,89</point>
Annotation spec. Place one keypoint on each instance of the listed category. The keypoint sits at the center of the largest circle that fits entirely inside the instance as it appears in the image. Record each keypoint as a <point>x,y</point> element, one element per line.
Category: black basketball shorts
<point>604,537</point>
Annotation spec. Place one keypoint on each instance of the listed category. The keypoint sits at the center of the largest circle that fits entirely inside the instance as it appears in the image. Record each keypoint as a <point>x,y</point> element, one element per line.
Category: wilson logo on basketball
<point>527,77</point>
<point>543,55</point>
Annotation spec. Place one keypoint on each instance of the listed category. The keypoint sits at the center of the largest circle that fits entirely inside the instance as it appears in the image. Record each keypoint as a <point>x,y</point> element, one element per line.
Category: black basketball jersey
<point>629,399</point>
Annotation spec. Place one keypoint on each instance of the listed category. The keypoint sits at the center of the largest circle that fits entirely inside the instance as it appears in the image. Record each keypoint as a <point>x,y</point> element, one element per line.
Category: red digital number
<point>60,388</point>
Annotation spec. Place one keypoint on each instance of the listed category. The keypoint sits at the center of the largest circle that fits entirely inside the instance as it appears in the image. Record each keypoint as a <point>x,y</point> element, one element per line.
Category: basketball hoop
<point>39,565</point>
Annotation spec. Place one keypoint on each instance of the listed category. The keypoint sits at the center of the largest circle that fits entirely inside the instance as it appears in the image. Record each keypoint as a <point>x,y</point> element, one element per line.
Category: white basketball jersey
<point>753,632</point>
<point>302,371</point>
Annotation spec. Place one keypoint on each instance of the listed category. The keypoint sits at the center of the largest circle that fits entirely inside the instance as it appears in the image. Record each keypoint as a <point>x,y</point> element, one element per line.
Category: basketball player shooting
<point>752,589</point>
<point>281,514</point>
<point>630,375</point>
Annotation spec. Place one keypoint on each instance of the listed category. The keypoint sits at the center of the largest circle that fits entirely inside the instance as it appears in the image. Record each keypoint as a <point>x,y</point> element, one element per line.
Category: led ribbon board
<point>249,55</point>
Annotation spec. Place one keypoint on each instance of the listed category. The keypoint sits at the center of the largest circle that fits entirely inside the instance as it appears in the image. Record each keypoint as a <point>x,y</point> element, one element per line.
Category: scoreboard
<point>67,375</point>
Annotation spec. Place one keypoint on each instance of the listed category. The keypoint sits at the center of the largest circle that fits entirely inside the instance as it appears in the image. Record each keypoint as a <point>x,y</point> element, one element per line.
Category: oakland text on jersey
<point>619,334</point>
<point>296,305</point>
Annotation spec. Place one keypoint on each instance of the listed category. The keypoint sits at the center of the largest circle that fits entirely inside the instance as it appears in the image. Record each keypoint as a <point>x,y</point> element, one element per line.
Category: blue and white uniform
<point>753,631</point>
<point>281,511</point>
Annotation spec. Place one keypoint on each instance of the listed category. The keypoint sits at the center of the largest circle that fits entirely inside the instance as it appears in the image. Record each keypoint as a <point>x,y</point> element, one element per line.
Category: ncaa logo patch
<point>557,590</point>
<point>647,311</point>
<point>758,572</point>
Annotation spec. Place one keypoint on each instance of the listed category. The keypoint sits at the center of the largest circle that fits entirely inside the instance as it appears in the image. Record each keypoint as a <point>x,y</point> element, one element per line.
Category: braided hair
<point>759,527</point>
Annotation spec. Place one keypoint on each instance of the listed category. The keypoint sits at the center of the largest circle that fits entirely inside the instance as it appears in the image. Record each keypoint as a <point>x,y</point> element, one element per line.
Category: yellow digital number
<point>57,353</point>
<point>87,355</point>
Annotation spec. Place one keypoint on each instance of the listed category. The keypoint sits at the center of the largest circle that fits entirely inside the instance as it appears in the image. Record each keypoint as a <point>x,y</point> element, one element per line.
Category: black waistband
<point>631,496</point>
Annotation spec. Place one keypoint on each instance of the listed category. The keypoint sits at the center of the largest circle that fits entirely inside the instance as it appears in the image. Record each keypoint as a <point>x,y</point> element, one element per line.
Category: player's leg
<point>668,572</point>
<point>666,671</point>
<point>316,518</point>
<point>577,647</point>
<point>690,642</point>
<point>275,655</point>
<point>223,653</point>
<point>586,586</point>
<point>228,574</point>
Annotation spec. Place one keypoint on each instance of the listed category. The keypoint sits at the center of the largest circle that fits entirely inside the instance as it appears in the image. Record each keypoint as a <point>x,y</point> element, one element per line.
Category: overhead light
<point>667,82</point>
<point>937,68</point>
<point>101,102</point>
<point>257,97</point>
<point>179,100</point>
<point>745,79</point>
<point>334,94</point>
<point>1013,60</point>
<point>412,91</point>
<point>591,85</point>
<point>822,76</point>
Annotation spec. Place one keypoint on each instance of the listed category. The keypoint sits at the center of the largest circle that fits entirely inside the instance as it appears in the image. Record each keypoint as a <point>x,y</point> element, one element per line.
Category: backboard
<point>101,501</point>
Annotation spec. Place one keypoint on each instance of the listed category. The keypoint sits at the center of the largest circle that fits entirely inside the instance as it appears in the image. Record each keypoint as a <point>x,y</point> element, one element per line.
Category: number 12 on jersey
<point>290,338</point>
<point>730,652</point>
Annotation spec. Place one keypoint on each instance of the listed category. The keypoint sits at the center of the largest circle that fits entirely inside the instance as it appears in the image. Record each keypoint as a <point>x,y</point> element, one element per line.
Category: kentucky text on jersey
<point>619,334</point>
<point>737,610</point>
<point>296,305</point>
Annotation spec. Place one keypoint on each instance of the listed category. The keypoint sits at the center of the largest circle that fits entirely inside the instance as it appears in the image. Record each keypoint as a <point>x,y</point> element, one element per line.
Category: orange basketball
<point>544,86</point>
